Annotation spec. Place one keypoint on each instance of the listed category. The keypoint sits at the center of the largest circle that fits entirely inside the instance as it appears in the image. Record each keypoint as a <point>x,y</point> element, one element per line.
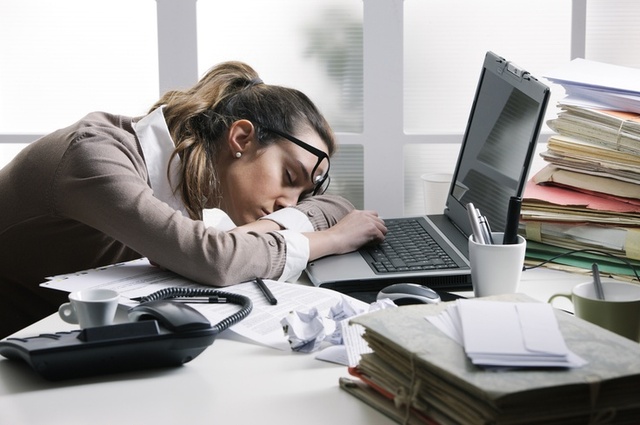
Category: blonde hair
<point>200,116</point>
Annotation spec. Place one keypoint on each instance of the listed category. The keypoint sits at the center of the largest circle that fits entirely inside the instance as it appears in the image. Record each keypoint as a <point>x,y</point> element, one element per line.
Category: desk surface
<point>232,382</point>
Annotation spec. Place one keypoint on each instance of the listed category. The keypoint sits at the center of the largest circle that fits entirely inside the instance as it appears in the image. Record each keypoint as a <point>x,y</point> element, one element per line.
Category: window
<point>612,32</point>
<point>395,78</point>
<point>444,47</point>
<point>62,59</point>
<point>313,45</point>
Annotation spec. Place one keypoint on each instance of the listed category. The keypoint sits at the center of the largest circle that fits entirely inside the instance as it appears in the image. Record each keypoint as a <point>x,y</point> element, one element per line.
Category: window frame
<point>383,136</point>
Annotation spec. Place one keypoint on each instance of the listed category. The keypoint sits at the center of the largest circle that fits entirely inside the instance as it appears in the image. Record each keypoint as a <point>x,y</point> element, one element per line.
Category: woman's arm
<point>354,230</point>
<point>339,227</point>
<point>324,211</point>
<point>310,214</point>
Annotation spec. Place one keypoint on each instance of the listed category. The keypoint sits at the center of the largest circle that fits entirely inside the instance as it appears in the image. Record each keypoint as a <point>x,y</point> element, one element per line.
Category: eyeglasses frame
<point>318,188</point>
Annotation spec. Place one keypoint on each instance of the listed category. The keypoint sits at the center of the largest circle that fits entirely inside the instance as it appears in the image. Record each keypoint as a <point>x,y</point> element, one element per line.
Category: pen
<point>202,300</point>
<point>475,224</point>
<point>513,219</point>
<point>265,290</point>
<point>487,229</point>
<point>596,281</point>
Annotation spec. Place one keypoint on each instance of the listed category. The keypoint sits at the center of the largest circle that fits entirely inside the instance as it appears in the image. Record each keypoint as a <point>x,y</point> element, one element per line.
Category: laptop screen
<point>499,142</point>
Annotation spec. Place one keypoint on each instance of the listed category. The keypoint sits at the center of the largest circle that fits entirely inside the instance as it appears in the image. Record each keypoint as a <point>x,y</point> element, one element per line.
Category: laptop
<point>493,164</point>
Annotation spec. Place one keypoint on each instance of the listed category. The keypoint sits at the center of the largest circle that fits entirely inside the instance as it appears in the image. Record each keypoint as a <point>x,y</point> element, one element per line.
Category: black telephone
<point>162,332</point>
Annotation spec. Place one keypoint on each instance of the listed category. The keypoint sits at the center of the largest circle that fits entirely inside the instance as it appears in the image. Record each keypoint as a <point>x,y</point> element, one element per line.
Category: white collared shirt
<point>157,146</point>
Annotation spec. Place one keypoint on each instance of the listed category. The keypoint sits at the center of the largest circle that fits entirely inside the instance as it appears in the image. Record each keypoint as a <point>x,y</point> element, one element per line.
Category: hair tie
<point>255,81</point>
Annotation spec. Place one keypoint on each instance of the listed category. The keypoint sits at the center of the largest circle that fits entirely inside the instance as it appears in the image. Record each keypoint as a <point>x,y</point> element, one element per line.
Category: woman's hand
<point>356,229</point>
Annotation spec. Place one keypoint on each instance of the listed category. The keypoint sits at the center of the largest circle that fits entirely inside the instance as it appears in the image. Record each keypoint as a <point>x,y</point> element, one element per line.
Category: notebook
<point>493,164</point>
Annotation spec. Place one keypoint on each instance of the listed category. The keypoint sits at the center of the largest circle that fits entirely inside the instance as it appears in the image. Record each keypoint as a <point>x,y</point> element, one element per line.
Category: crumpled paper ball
<point>307,331</point>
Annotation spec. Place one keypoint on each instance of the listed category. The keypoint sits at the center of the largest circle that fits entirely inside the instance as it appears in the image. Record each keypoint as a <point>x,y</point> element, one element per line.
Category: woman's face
<point>264,180</point>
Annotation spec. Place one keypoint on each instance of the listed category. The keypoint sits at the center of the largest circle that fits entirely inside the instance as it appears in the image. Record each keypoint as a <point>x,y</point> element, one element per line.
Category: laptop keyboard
<point>407,247</point>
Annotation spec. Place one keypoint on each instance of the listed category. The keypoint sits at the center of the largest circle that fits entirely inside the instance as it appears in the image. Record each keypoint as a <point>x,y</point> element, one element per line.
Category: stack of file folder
<point>416,374</point>
<point>588,195</point>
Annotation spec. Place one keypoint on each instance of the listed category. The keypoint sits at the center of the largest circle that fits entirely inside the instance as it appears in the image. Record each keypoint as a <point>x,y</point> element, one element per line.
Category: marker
<point>513,220</point>
<point>265,290</point>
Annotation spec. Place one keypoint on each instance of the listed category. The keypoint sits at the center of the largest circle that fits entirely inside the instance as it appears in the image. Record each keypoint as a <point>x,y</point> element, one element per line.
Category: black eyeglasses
<point>319,175</point>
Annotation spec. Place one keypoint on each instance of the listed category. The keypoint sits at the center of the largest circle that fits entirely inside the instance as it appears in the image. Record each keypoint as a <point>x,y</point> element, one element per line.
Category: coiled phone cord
<point>243,301</point>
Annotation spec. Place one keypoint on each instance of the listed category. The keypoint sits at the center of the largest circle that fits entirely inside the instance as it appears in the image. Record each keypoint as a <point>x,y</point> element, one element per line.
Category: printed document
<point>139,278</point>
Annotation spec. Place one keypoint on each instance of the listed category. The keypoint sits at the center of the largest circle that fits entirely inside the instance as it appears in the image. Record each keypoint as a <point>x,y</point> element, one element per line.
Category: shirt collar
<point>157,146</point>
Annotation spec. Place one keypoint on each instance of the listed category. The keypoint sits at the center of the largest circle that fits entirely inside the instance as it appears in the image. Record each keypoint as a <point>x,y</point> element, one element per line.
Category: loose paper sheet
<point>139,278</point>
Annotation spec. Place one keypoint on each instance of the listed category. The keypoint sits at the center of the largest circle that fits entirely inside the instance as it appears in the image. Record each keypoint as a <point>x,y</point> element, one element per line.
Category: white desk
<point>232,382</point>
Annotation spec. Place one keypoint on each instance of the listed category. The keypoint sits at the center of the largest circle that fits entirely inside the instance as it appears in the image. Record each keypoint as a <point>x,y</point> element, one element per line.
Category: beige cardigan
<point>80,198</point>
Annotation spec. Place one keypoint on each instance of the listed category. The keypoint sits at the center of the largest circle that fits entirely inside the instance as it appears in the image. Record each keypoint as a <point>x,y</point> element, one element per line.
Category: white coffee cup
<point>496,268</point>
<point>435,188</point>
<point>90,307</point>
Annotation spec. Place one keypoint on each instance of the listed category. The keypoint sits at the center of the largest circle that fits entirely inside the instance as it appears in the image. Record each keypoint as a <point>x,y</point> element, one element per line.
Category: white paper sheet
<point>138,278</point>
<point>599,85</point>
<point>592,74</point>
<point>505,334</point>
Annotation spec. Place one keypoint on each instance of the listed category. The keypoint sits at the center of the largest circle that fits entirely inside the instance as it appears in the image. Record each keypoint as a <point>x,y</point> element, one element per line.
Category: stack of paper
<point>593,167</point>
<point>599,85</point>
<point>416,374</point>
<point>610,130</point>
<point>497,333</point>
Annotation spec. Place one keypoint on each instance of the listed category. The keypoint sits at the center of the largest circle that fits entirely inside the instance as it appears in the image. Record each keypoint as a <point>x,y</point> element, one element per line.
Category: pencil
<point>265,290</point>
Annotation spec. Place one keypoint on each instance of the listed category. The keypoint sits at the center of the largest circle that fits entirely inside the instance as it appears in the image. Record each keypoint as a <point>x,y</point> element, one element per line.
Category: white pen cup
<point>496,268</point>
<point>90,308</point>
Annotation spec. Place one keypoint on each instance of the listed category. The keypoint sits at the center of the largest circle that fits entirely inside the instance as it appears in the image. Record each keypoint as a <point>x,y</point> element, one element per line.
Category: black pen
<point>201,300</point>
<point>265,290</point>
<point>204,299</point>
<point>513,220</point>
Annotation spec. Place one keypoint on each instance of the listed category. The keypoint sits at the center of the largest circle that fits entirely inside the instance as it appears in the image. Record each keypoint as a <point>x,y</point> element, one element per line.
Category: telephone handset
<point>161,333</point>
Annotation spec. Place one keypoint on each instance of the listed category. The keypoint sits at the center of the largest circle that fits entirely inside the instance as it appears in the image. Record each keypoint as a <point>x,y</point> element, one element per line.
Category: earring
<point>238,154</point>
